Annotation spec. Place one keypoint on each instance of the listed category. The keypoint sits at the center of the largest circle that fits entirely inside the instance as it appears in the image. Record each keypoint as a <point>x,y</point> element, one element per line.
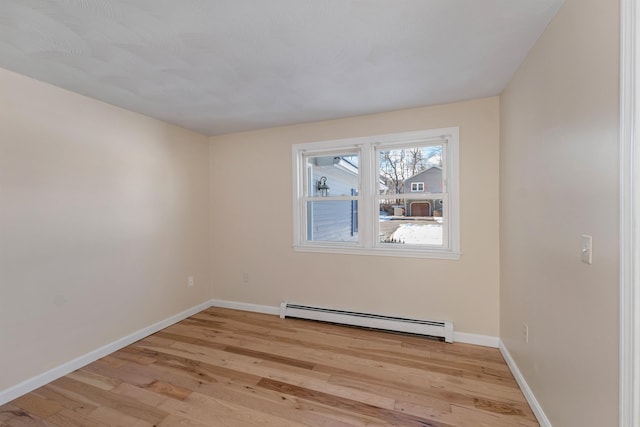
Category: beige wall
<point>559,179</point>
<point>252,225</point>
<point>103,215</point>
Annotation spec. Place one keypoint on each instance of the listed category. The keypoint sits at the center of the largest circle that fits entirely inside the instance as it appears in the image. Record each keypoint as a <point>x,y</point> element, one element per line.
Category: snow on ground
<point>419,234</point>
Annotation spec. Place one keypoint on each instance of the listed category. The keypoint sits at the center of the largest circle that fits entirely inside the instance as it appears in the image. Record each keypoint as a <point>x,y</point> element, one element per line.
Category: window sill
<point>395,252</point>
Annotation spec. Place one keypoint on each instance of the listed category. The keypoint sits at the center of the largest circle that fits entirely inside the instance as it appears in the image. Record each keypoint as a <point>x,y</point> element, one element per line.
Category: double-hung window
<point>384,195</point>
<point>417,187</point>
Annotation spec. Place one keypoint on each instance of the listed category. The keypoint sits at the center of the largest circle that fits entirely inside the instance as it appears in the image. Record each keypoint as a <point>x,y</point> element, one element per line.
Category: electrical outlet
<point>190,281</point>
<point>525,332</point>
<point>586,249</point>
<point>245,277</point>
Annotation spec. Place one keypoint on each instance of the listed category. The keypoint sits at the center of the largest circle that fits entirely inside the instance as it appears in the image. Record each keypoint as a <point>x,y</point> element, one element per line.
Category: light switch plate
<point>586,249</point>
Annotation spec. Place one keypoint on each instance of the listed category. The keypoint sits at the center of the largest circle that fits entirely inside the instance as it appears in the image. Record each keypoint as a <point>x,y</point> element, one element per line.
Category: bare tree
<point>392,168</point>
<point>398,165</point>
<point>416,161</point>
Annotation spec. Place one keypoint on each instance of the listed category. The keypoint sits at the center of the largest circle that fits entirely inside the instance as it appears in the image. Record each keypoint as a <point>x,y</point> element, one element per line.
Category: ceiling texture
<point>221,66</point>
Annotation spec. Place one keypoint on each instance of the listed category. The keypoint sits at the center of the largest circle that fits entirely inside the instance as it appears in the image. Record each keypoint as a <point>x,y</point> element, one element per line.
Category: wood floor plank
<point>112,400</point>
<point>94,379</point>
<point>230,368</point>
<point>283,405</point>
<point>385,415</point>
<point>177,421</point>
<point>71,403</point>
<point>202,408</point>
<point>12,415</point>
<point>67,418</point>
<point>36,405</point>
<point>124,371</point>
<point>113,417</point>
<point>141,395</point>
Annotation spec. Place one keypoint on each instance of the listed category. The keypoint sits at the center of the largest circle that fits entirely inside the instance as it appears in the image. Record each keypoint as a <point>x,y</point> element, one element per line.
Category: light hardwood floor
<point>233,368</point>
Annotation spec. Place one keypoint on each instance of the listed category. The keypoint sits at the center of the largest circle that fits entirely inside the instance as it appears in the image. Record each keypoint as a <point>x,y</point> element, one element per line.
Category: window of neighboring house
<point>358,196</point>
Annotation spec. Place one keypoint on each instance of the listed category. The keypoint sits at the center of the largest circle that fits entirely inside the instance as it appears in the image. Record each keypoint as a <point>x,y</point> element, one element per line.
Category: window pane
<point>414,169</point>
<point>332,175</point>
<point>332,221</point>
<point>412,222</point>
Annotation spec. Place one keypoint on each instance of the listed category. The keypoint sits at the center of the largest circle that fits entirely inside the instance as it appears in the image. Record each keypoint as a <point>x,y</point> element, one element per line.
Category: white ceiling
<point>220,66</point>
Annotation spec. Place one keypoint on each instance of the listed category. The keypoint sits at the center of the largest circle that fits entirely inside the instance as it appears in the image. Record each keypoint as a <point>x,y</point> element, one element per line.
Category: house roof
<point>424,171</point>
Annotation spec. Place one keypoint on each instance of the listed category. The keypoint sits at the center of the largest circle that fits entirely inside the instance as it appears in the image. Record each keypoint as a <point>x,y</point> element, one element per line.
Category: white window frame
<point>417,189</point>
<point>369,194</point>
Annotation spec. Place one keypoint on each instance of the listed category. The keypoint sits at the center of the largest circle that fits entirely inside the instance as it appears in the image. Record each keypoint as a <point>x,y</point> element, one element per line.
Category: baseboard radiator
<point>430,328</point>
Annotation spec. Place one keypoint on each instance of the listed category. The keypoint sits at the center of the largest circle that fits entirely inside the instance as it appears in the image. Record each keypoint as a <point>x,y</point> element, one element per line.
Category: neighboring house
<point>333,220</point>
<point>427,181</point>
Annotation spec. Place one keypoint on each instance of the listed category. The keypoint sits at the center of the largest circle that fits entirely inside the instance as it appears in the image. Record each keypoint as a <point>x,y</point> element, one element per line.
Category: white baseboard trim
<point>463,337</point>
<point>33,383</point>
<point>476,339</point>
<point>526,390</point>
<point>234,305</point>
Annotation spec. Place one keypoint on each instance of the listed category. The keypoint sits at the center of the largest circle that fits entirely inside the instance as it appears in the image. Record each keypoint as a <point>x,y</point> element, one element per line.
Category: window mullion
<point>418,196</point>
<point>328,198</point>
<point>367,186</point>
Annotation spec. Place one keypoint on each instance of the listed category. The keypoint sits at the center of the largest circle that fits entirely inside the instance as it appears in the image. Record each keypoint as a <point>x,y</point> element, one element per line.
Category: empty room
<point>319,212</point>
